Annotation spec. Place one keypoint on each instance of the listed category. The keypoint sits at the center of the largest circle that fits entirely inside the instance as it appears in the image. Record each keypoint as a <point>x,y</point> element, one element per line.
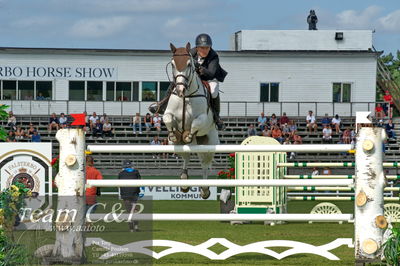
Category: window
<point>44,90</point>
<point>94,91</point>
<point>122,91</point>
<point>9,90</point>
<point>163,89</point>
<point>26,90</point>
<point>76,90</point>
<point>341,92</point>
<point>269,92</point>
<point>149,91</point>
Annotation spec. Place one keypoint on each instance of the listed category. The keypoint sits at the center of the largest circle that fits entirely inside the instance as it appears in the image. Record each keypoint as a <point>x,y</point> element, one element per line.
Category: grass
<point>197,232</point>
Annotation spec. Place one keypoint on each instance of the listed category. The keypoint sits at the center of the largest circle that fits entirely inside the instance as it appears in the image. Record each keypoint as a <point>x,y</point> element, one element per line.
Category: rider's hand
<point>197,66</point>
<point>201,70</point>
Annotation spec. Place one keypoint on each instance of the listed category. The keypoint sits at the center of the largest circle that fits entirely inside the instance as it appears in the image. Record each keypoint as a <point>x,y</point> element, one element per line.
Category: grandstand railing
<point>228,108</point>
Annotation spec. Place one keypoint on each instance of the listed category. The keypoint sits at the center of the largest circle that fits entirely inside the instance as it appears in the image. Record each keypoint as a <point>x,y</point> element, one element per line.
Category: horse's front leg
<point>197,124</point>
<point>185,174</point>
<point>170,123</point>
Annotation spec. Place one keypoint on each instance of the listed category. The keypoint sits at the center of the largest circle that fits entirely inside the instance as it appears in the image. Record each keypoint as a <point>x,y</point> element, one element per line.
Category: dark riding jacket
<point>210,69</point>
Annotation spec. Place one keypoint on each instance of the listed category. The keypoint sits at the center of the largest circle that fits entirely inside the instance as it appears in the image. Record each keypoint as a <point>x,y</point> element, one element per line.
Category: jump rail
<point>226,217</point>
<point>215,183</point>
<point>333,198</point>
<point>344,164</point>
<point>389,177</point>
<point>217,148</point>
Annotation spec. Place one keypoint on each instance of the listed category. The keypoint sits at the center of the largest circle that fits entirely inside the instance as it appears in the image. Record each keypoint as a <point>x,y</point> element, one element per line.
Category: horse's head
<point>182,68</point>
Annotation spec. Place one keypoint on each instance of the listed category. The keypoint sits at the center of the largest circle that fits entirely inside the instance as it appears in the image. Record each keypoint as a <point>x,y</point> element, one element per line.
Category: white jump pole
<point>298,217</point>
<point>217,148</point>
<point>333,198</point>
<point>344,164</point>
<point>312,189</point>
<point>389,177</point>
<point>215,183</point>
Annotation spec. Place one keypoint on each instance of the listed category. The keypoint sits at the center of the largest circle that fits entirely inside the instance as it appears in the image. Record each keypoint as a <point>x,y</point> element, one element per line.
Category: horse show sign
<point>175,193</point>
<point>26,163</point>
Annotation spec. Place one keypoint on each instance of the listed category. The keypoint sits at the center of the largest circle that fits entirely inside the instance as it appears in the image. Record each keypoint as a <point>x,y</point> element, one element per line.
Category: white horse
<point>188,116</point>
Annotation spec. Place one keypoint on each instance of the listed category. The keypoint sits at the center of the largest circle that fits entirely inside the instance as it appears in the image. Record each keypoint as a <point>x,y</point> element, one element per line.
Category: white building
<point>272,71</point>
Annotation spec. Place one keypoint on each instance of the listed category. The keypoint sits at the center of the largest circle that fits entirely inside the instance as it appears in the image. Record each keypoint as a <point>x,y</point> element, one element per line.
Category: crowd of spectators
<point>18,133</point>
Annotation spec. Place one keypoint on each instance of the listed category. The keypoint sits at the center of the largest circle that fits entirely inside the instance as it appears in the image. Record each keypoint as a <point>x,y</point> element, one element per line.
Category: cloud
<point>391,22</point>
<point>353,19</point>
<point>99,27</point>
<point>33,22</point>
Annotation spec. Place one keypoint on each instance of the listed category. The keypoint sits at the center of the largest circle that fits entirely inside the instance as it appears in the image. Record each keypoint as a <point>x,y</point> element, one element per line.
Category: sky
<point>153,24</point>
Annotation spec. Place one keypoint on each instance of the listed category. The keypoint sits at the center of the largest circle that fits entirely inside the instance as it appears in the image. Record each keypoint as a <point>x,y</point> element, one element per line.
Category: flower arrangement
<point>3,116</point>
<point>12,199</point>
<point>55,163</point>
<point>229,174</point>
<point>391,248</point>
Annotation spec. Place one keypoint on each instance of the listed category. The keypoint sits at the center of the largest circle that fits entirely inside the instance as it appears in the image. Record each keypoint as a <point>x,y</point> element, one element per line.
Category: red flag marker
<point>79,120</point>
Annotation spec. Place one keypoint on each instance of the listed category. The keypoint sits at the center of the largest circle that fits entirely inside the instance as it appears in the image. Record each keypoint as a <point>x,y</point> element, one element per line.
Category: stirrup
<point>154,108</point>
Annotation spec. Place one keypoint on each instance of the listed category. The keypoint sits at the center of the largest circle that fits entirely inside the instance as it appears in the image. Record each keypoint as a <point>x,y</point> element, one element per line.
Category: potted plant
<point>227,203</point>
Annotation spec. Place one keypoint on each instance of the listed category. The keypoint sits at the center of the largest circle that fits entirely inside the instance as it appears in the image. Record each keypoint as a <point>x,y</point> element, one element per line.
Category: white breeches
<point>214,88</point>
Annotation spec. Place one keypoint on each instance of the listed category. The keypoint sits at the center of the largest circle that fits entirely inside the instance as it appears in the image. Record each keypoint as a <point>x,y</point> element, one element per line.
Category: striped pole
<point>223,217</point>
<point>322,198</point>
<point>338,164</point>
<point>389,177</point>
<point>333,189</point>
<point>213,182</point>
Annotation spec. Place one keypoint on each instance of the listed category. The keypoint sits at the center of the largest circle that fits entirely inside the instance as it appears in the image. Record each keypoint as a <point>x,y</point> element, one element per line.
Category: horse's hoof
<point>184,174</point>
<point>185,189</point>
<point>187,137</point>
<point>204,192</point>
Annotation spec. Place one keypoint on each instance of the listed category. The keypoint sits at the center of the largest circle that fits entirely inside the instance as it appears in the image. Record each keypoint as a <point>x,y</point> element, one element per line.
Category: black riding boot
<point>159,107</point>
<point>215,104</point>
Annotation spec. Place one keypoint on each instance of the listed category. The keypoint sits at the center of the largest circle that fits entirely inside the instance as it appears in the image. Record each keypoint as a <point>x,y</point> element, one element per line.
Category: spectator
<point>292,128</point>
<point>157,122</point>
<point>148,122</point>
<point>107,129</point>
<point>326,120</point>
<point>20,133</point>
<point>326,171</point>
<point>346,136</point>
<point>327,134</point>
<point>137,124</point>
<point>266,132</point>
<point>97,129</point>
<point>91,192</point>
<point>165,142</point>
<point>40,97</point>
<point>92,120</point>
<point>35,137</point>
<point>130,195</point>
<point>284,119</point>
<point>262,121</point>
<point>12,121</point>
<point>297,139</point>
<point>285,130</point>
<point>251,131</point>
<point>277,134</point>
<point>336,123</point>
<point>104,118</point>
<point>291,155</point>
<point>315,172</point>
<point>352,135</point>
<point>390,129</point>
<point>30,131</point>
<point>273,121</point>
<point>155,141</point>
<point>379,114</point>
<point>53,122</point>
<point>388,104</point>
<point>310,119</point>
<point>63,120</point>
<point>11,136</point>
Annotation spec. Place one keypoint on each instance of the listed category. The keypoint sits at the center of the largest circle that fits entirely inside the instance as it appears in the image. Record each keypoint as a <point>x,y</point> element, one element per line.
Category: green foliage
<point>391,248</point>
<point>393,64</point>
<point>11,253</point>
<point>3,116</point>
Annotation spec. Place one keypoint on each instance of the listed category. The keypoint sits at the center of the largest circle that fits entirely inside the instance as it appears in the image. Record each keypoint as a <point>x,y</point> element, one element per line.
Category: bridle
<point>187,84</point>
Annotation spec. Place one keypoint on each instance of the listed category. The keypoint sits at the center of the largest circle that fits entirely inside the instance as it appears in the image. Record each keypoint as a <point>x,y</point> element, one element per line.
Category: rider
<point>209,69</point>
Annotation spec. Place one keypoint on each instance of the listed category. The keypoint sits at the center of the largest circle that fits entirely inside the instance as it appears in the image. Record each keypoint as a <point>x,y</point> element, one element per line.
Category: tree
<point>3,116</point>
<point>393,64</point>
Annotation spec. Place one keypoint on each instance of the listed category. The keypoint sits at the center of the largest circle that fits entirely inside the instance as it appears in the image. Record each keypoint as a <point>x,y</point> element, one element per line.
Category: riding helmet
<point>203,39</point>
